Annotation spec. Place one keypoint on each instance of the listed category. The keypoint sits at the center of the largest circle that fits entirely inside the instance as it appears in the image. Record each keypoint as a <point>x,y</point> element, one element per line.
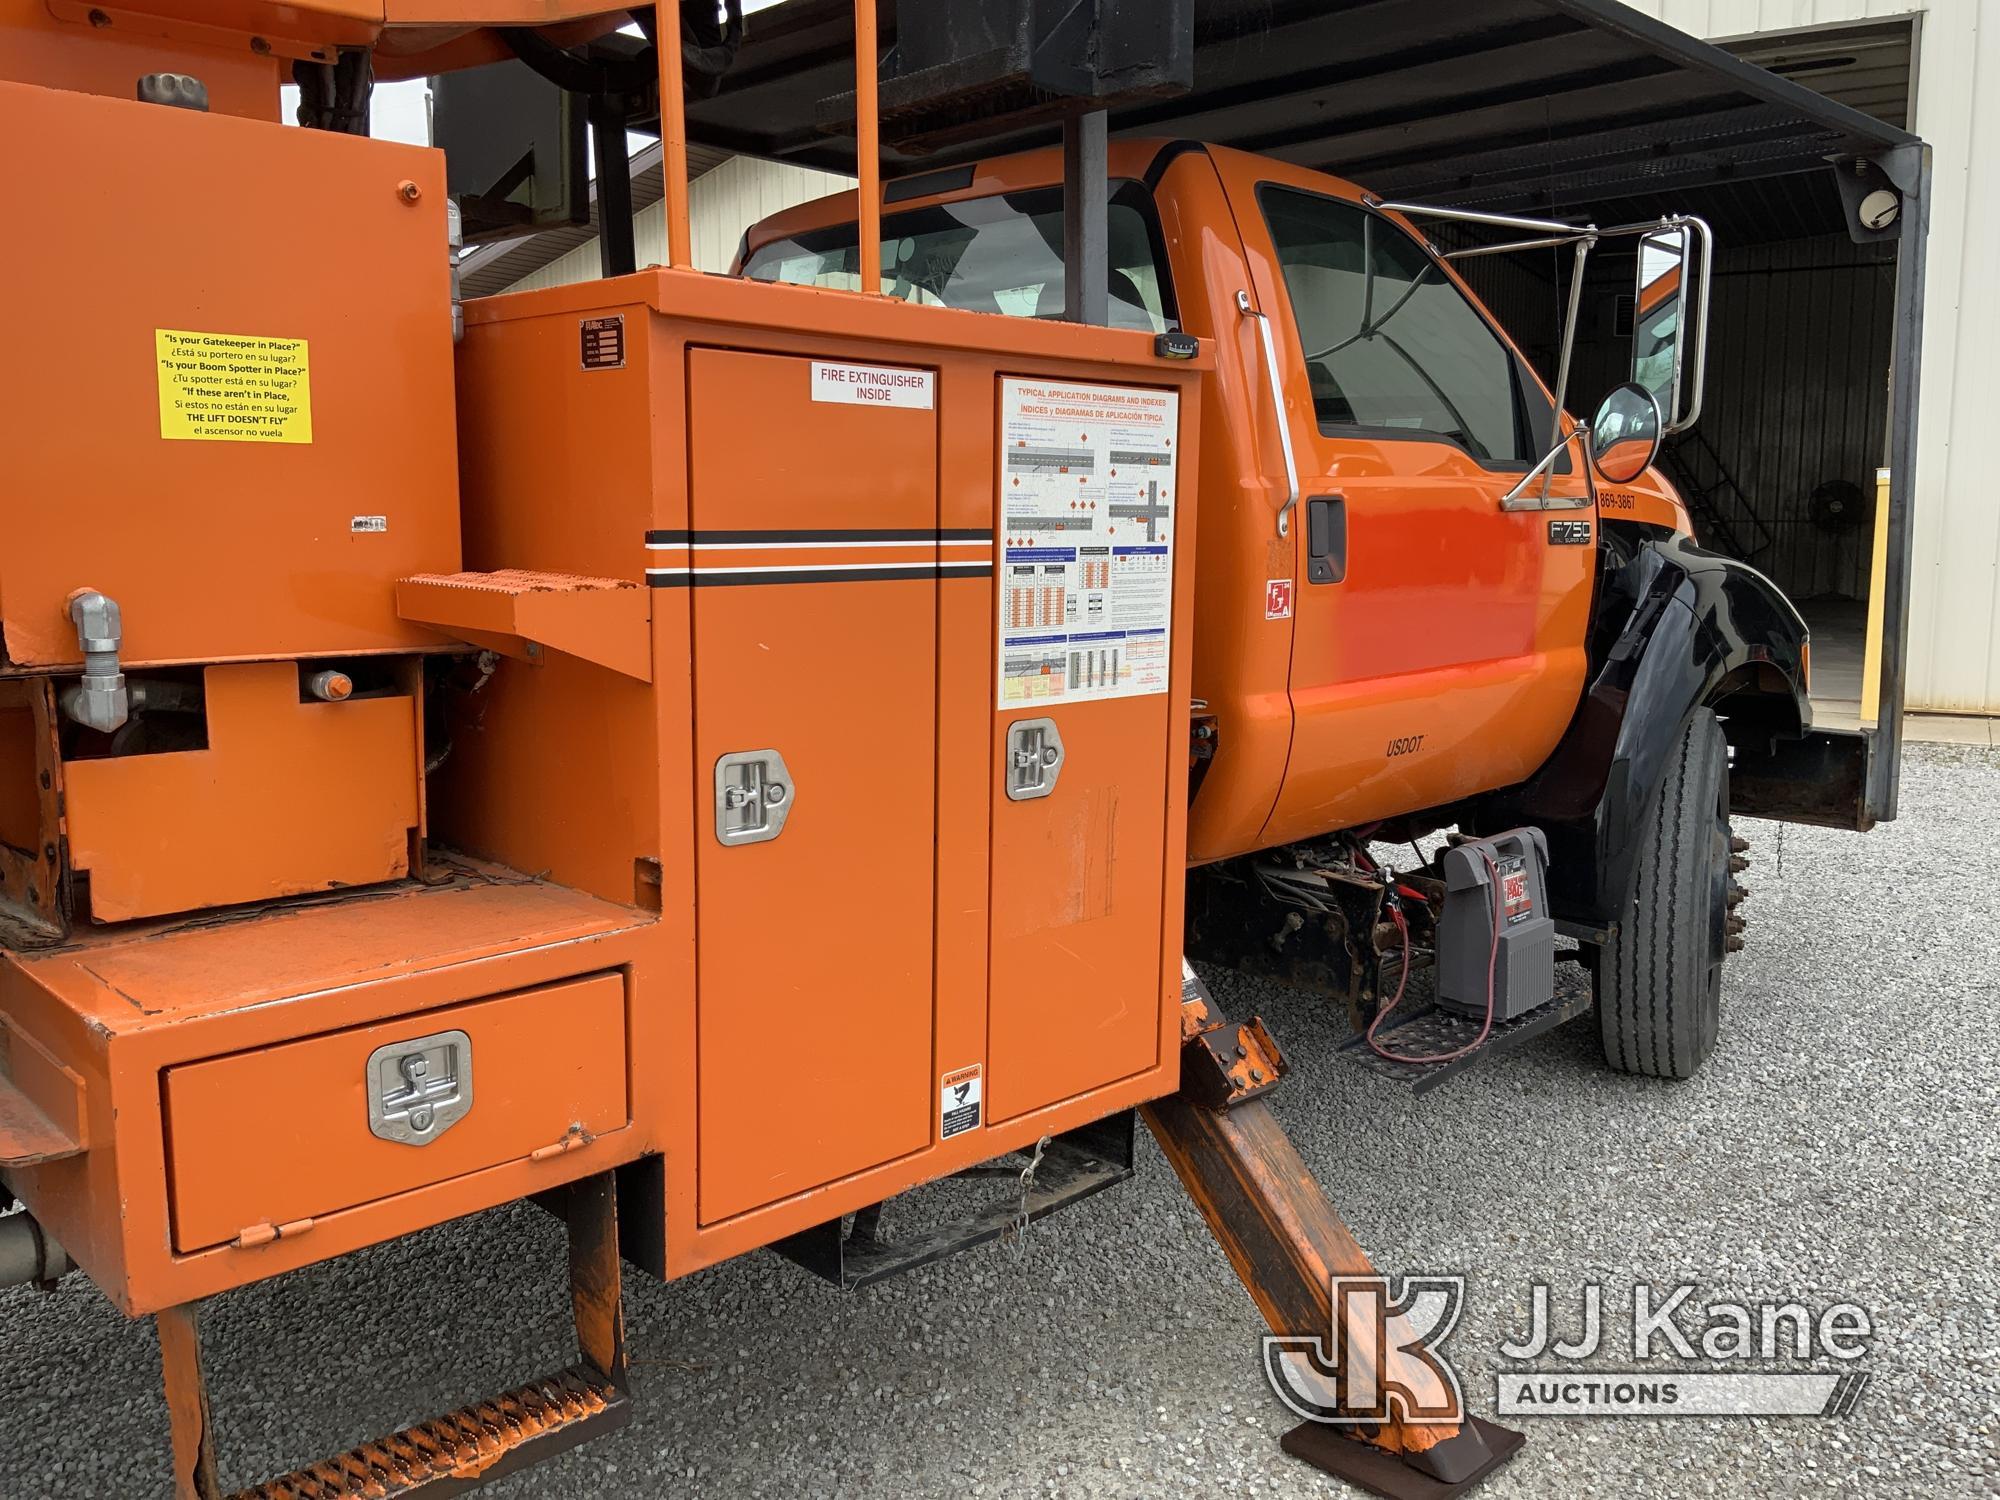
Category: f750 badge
<point>1569,533</point>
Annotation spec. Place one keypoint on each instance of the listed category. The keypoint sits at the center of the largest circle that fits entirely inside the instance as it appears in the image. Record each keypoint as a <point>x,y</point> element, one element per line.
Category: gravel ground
<point>1840,1146</point>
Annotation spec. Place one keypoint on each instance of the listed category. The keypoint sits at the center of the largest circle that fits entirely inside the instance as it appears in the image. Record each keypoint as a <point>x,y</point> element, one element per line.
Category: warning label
<point>958,1103</point>
<point>230,387</point>
<point>1087,483</point>
<point>1517,903</point>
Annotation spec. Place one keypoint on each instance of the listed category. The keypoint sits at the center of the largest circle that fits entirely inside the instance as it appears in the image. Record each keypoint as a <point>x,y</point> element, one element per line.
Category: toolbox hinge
<point>267,1232</point>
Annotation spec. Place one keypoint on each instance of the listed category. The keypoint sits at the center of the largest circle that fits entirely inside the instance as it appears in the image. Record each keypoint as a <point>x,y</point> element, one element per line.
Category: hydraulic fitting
<point>330,686</point>
<point>99,701</point>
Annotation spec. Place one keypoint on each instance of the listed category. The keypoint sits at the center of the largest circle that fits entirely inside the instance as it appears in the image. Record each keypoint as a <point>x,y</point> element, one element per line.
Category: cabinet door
<point>1089,513</point>
<point>814,595</point>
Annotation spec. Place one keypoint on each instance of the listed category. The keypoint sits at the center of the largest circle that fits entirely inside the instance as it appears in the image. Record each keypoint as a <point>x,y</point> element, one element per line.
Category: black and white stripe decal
<point>679,563</point>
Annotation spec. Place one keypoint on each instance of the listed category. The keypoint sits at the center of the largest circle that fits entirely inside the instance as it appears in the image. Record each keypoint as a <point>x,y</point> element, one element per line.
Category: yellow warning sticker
<point>233,387</point>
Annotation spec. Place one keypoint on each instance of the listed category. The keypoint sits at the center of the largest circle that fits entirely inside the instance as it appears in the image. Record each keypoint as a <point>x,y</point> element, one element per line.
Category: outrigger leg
<point>1287,1245</point>
<point>458,1451</point>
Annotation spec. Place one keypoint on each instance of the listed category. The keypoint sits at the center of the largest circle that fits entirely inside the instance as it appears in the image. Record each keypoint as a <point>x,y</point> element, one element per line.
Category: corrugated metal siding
<point>1816,314</point>
<point>1716,19</point>
<point>1797,387</point>
<point>1955,613</point>
<point>1955,593</point>
<point>721,205</point>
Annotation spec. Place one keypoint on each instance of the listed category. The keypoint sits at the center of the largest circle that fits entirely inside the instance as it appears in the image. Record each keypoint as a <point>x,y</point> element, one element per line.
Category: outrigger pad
<point>1451,1468</point>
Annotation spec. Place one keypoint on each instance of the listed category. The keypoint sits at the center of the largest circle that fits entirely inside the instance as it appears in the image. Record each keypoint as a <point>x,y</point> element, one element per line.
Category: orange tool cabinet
<point>551,1066</point>
<point>287,288</point>
<point>764,770</point>
<point>206,1085</point>
<point>916,866</point>
<point>243,436</point>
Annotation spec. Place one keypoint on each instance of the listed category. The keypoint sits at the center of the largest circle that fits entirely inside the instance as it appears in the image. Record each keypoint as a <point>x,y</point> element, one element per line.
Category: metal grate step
<point>1424,1028</point>
<point>464,1447</point>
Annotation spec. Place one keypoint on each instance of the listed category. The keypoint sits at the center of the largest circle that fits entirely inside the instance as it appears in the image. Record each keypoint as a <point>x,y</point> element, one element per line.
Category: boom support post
<point>1288,1247</point>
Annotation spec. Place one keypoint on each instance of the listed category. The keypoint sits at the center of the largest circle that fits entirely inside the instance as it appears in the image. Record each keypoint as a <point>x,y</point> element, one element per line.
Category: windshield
<point>998,254</point>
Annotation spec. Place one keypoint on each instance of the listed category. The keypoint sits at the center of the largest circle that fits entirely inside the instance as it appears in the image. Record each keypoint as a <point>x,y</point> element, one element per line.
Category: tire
<point>1659,981</point>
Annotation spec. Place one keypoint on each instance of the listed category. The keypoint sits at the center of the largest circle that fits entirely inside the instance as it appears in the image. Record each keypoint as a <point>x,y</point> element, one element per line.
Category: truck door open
<point>1411,419</point>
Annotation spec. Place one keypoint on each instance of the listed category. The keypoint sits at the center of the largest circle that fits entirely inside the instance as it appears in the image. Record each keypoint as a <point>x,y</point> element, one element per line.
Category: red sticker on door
<point>1278,599</point>
<point>1516,899</point>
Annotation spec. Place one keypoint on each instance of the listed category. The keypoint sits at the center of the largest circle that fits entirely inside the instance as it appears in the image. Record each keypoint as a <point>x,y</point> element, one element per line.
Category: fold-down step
<point>515,610</point>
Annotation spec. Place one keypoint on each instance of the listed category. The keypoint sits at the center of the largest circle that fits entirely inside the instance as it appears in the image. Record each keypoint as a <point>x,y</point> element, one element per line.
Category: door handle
<point>1326,539</point>
<point>753,796</point>
<point>1034,758</point>
<point>1277,380</point>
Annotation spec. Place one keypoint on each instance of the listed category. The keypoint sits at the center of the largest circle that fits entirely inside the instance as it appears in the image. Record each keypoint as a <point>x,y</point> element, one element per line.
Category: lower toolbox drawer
<point>295,1131</point>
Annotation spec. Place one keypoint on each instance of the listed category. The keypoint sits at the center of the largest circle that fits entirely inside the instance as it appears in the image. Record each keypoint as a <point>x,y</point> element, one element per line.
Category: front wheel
<point>1659,981</point>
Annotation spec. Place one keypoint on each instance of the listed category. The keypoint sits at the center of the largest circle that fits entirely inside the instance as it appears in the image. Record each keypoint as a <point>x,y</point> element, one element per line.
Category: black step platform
<point>1420,1027</point>
<point>1075,1165</point>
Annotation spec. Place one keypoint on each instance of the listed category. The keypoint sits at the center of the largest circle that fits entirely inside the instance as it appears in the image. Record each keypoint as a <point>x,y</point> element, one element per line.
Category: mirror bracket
<point>1518,497</point>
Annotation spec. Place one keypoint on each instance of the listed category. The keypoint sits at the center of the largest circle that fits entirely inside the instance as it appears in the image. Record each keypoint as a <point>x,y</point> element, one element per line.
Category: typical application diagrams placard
<point>1087,506</point>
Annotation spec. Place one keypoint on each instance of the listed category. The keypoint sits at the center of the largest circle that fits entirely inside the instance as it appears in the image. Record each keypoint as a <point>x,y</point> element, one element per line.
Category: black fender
<point>1673,628</point>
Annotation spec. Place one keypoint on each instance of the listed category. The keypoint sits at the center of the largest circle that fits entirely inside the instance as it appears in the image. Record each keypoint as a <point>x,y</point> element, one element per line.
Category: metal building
<point>1931,67</point>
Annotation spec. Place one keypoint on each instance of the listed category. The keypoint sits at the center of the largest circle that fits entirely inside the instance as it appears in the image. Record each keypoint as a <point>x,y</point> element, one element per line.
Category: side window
<point>1390,342</point>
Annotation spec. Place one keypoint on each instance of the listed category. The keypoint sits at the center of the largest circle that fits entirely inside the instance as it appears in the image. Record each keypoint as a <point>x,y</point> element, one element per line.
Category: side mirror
<point>1659,315</point>
<point>1625,434</point>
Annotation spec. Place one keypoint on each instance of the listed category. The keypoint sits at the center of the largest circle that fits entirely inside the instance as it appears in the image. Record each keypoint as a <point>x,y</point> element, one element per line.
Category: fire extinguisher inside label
<point>958,1103</point>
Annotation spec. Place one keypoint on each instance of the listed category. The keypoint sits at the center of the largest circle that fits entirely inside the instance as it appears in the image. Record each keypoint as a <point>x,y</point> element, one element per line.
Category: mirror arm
<point>1699,328</point>
<point>1511,247</point>
<point>1569,339</point>
<point>1474,216</point>
<point>1518,497</point>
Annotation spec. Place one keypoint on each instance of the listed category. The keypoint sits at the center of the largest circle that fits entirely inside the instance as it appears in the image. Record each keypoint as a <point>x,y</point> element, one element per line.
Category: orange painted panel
<point>1449,657</point>
<point>288,797</point>
<point>791,1068</point>
<point>221,548</point>
<point>281,1134</point>
<point>1078,872</point>
<point>1448,660</point>
<point>122,1006</point>
<point>253,964</point>
<point>66,52</point>
<point>495,12</point>
<point>814,965</point>
<point>1076,993</point>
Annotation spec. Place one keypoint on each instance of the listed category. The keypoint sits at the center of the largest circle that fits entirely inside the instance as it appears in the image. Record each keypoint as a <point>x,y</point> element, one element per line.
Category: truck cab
<point>1420,601</point>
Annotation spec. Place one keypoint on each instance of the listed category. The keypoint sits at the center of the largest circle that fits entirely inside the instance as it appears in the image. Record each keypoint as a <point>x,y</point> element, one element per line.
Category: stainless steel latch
<point>1034,758</point>
<point>419,1088</point>
<point>753,796</point>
